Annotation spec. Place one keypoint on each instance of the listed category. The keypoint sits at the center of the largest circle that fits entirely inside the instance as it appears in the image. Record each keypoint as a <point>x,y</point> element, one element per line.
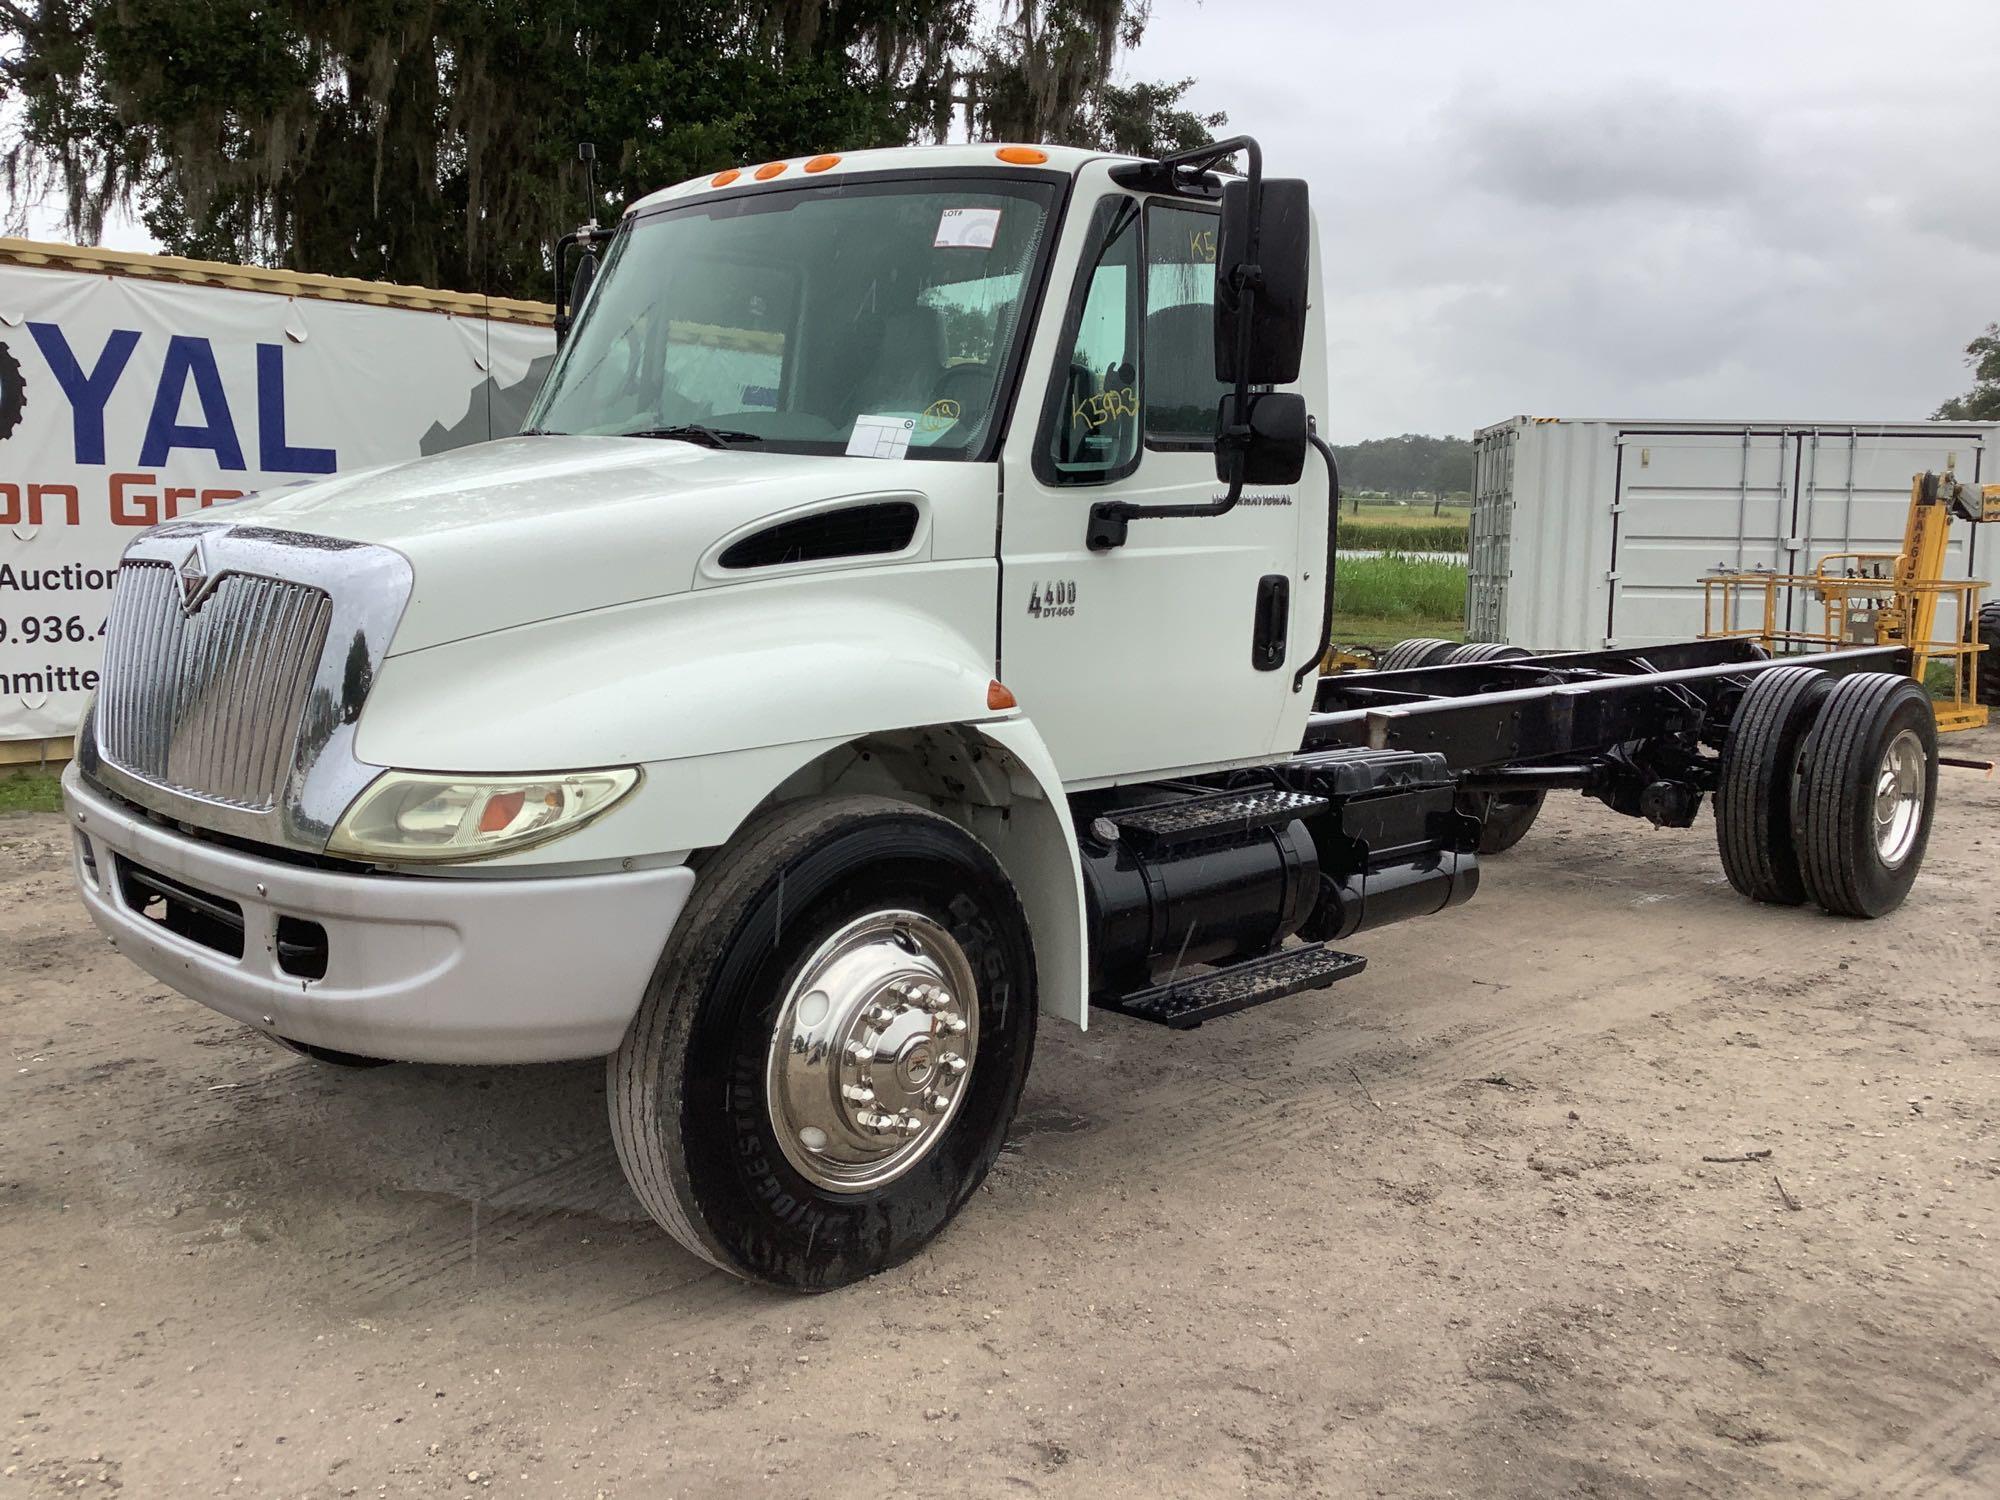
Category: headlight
<point>409,815</point>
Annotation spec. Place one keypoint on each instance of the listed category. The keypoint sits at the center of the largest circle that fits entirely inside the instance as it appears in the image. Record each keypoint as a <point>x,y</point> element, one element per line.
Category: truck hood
<point>530,528</point>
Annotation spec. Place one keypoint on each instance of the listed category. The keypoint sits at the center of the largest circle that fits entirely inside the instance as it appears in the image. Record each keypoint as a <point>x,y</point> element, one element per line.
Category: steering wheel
<point>971,386</point>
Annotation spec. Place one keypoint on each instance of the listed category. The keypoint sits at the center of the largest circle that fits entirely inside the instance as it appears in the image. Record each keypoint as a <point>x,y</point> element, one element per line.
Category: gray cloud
<point>1585,209</point>
<point>1647,140</point>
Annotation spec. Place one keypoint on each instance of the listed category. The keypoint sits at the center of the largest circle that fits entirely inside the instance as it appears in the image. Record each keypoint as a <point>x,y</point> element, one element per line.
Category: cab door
<point>1176,650</point>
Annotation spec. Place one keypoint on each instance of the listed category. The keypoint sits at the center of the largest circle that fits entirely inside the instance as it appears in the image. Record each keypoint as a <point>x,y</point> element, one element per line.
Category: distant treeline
<point>1408,465</point>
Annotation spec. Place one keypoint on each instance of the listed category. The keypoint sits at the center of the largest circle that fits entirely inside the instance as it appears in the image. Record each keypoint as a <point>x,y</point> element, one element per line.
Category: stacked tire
<point>1405,656</point>
<point>1826,790</point>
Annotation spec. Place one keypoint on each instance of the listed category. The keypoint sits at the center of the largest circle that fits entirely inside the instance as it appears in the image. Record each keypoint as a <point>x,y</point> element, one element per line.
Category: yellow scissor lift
<point>1877,598</point>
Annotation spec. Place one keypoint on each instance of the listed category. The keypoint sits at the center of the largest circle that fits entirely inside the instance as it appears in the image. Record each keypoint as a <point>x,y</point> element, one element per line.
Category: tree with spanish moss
<point>434,141</point>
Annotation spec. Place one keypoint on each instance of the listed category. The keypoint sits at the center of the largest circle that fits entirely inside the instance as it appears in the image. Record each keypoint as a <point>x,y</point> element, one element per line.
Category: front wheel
<point>833,1045</point>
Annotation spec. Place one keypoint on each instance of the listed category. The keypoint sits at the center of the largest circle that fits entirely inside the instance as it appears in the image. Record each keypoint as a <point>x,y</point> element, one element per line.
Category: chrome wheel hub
<point>1899,797</point>
<point>872,1051</point>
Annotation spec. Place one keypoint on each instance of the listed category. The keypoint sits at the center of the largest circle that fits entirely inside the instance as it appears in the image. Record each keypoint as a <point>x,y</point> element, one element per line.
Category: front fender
<point>699,674</point>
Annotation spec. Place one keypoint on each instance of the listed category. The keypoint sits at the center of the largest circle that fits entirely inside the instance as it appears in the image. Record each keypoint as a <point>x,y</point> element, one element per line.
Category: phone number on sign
<point>48,630</point>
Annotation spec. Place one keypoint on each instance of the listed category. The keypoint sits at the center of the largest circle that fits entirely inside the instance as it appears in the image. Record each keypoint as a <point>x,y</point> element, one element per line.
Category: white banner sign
<point>126,402</point>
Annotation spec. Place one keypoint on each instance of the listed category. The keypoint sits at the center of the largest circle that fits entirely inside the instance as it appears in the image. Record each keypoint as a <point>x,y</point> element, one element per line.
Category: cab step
<point>1186,1003</point>
<point>1216,814</point>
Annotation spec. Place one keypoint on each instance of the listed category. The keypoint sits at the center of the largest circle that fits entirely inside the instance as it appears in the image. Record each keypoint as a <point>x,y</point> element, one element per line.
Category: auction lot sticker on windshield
<point>880,437</point>
<point>967,229</point>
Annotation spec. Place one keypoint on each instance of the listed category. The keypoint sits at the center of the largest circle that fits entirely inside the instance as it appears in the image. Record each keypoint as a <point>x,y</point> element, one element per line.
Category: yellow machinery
<point>1877,598</point>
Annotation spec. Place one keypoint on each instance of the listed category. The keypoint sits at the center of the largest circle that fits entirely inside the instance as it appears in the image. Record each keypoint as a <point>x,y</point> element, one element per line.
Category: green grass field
<point>1405,528</point>
<point>1377,600</point>
<point>30,791</point>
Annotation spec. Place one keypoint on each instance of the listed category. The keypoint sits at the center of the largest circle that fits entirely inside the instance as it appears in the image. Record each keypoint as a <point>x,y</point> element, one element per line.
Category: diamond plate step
<point>1189,1002</point>
<point>1169,823</point>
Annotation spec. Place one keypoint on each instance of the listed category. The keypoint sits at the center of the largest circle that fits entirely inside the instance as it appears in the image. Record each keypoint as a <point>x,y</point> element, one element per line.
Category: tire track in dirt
<point>1956,1456</point>
<point>388,1271</point>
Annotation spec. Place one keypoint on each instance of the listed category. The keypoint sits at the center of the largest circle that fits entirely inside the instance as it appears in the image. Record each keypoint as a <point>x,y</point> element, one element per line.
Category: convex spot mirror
<point>1269,443</point>
<point>1271,279</point>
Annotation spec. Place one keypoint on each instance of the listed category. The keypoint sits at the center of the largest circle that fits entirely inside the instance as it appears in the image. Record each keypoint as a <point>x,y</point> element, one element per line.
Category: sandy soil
<point>1445,1229</point>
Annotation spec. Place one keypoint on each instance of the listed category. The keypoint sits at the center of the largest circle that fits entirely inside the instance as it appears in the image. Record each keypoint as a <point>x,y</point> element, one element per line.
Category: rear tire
<point>1753,795</point>
<point>1861,817</point>
<point>738,1097</point>
<point>1421,651</point>
<point>1504,817</point>
<point>1987,673</point>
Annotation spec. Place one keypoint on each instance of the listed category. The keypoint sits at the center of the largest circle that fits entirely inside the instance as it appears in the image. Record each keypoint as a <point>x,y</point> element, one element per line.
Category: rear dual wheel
<point>1826,790</point>
<point>833,1046</point>
<point>1861,817</point>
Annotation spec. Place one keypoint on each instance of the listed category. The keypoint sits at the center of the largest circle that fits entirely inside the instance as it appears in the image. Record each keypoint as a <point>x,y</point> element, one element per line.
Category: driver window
<point>1093,426</point>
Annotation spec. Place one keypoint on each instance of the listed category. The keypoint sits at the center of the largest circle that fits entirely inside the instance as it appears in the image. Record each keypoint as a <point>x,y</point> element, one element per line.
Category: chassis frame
<point>1640,728</point>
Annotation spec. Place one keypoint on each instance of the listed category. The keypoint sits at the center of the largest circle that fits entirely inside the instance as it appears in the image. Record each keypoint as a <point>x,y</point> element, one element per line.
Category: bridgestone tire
<point>690,1109</point>
<point>1423,651</point>
<point>1841,771</point>
<point>1988,669</point>
<point>1753,796</point>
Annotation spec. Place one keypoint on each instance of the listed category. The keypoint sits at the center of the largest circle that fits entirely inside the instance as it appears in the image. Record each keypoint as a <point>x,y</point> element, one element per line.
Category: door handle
<point>1273,622</point>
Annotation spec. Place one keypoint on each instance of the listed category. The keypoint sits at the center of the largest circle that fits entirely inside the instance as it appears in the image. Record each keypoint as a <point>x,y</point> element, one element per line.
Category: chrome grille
<point>208,703</point>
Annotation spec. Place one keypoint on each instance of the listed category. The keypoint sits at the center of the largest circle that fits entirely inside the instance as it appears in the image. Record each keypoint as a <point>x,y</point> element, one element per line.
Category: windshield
<point>872,318</point>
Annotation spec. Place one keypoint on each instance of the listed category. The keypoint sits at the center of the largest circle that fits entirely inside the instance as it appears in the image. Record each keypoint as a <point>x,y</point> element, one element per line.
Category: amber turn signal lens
<point>723,179</point>
<point>821,163</point>
<point>769,170</point>
<point>997,696</point>
<point>1022,156</point>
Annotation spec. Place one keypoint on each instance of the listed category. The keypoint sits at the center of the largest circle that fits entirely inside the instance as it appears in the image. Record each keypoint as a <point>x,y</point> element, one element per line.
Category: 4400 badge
<point>1052,600</point>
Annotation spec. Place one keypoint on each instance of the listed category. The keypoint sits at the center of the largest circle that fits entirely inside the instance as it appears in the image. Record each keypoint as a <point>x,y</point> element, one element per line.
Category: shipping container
<point>1596,533</point>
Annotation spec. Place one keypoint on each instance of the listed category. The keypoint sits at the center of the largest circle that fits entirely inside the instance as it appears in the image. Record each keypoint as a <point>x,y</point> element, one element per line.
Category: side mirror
<point>585,241</point>
<point>586,273</point>
<point>1264,441</point>
<point>1262,253</point>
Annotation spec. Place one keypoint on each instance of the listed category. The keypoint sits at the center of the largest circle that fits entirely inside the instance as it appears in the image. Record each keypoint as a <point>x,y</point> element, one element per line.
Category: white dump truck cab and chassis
<point>899,625</point>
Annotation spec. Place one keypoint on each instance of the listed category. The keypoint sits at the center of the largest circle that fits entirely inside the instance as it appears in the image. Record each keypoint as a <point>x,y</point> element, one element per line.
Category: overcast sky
<point>1675,209</point>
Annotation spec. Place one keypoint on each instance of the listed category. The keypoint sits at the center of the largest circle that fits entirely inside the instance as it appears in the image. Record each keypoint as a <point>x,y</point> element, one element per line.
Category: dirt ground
<point>1446,1229</point>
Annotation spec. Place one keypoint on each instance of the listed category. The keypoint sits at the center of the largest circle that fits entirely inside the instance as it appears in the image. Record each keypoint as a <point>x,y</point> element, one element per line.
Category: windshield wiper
<point>696,432</point>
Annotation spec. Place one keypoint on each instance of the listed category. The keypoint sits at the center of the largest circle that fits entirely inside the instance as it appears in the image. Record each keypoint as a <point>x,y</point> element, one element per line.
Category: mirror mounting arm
<point>1109,518</point>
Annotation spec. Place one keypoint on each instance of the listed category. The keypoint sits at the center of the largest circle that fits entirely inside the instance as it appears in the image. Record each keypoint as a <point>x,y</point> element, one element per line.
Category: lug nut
<point>937,1104</point>
<point>861,1053</point>
<point>874,1120</point>
<point>952,1025</point>
<point>859,1093</point>
<point>880,1015</point>
<point>952,1063</point>
<point>909,1126</point>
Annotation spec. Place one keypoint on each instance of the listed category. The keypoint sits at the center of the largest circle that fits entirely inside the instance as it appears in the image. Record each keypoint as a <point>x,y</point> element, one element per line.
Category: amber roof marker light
<point>821,163</point>
<point>724,178</point>
<point>769,170</point>
<point>1022,156</point>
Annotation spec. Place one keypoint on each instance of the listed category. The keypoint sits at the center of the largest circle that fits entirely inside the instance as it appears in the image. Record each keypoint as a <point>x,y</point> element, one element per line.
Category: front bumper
<point>416,968</point>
